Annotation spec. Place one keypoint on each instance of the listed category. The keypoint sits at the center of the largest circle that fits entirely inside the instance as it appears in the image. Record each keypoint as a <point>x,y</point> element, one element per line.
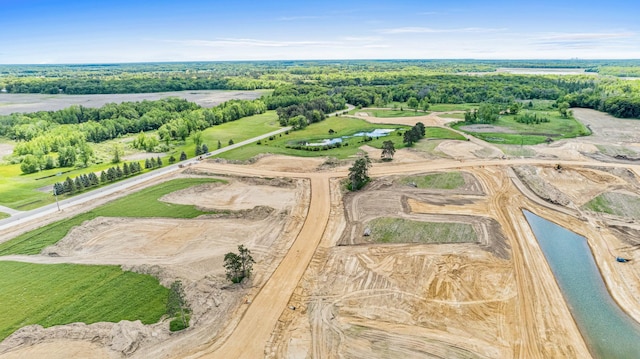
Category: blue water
<point>608,331</point>
<point>379,132</point>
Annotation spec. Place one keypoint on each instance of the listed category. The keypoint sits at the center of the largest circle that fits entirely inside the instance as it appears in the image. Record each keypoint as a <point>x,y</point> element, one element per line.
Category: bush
<point>177,324</point>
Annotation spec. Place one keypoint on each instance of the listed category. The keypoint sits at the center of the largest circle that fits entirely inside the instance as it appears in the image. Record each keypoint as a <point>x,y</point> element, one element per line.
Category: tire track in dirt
<point>249,338</point>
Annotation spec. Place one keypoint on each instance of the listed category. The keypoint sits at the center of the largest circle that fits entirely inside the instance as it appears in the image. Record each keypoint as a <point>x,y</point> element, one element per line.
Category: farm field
<point>10,103</point>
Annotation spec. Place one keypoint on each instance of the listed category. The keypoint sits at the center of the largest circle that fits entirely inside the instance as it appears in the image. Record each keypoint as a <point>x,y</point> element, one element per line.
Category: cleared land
<point>322,289</point>
<point>10,103</point>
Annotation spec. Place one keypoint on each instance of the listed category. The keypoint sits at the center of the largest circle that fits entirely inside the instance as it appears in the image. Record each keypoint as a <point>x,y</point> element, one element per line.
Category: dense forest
<point>303,93</point>
<point>361,83</point>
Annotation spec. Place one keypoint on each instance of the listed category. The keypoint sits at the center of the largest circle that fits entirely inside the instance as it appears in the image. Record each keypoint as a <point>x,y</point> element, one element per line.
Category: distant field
<point>509,132</point>
<point>10,103</point>
<point>399,230</point>
<point>66,293</point>
<point>393,113</point>
<point>140,204</point>
<point>4,215</point>
<point>445,180</point>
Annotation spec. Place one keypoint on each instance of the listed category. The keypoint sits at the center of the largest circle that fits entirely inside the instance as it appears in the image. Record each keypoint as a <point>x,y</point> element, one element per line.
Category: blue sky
<point>45,31</point>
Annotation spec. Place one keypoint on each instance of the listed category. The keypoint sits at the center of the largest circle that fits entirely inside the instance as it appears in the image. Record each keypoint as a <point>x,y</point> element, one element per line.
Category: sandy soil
<point>61,349</point>
<point>320,291</point>
<point>432,119</point>
<point>10,103</point>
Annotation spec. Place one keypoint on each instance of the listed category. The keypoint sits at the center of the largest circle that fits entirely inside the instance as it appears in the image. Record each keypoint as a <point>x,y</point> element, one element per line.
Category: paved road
<point>18,217</point>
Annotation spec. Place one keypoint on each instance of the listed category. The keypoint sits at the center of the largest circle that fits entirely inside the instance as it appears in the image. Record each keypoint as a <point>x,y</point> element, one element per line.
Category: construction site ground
<point>321,289</point>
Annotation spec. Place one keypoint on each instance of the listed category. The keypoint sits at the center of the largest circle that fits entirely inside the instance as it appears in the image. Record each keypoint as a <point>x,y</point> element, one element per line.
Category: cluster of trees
<point>531,119</point>
<point>415,134</point>
<point>151,163</point>
<point>299,107</point>
<point>238,265</point>
<point>487,113</point>
<point>84,181</point>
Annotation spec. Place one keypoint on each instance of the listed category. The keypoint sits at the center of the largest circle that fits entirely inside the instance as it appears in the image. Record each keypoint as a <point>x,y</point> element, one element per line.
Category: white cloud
<point>429,30</point>
<point>232,42</point>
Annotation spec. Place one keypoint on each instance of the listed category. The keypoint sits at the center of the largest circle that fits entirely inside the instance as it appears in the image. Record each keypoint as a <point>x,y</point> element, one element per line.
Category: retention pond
<point>608,331</point>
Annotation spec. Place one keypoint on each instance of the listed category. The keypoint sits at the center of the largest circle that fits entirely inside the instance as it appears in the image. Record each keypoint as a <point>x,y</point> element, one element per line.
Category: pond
<point>608,331</point>
<point>378,132</point>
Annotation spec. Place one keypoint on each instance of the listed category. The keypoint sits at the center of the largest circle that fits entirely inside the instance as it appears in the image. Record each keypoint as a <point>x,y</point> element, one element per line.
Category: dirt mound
<point>288,163</point>
<point>529,175</point>
<point>121,339</point>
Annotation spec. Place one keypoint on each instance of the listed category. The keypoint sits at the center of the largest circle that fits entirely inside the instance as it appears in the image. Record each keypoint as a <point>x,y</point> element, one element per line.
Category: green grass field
<point>618,204</point>
<point>140,204</point>
<point>442,134</point>
<point>394,113</point>
<point>399,230</point>
<point>19,191</point>
<point>66,293</point>
<point>530,134</point>
<point>4,215</point>
<point>239,130</point>
<point>445,107</point>
<point>342,126</point>
<point>445,180</point>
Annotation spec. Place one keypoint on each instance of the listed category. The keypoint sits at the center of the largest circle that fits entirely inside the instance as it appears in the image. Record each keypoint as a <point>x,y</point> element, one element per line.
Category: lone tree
<point>563,108</point>
<point>238,266</point>
<point>413,103</point>
<point>183,156</point>
<point>359,173</point>
<point>388,150</point>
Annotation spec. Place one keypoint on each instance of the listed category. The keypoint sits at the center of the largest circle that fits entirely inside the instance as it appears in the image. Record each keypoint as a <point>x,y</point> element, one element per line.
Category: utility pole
<point>55,193</point>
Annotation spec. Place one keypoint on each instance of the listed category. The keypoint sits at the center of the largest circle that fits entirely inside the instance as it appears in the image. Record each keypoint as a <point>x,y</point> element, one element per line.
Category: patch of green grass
<point>144,203</point>
<point>342,126</point>
<point>58,294</point>
<point>442,134</point>
<point>531,134</point>
<point>444,180</point>
<point>4,215</point>
<point>394,113</point>
<point>21,192</point>
<point>399,230</point>
<point>239,130</point>
<point>457,116</point>
<point>618,204</point>
<point>444,107</point>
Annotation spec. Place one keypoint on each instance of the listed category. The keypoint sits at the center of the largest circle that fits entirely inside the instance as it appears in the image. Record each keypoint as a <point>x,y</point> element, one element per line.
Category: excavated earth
<point>324,290</point>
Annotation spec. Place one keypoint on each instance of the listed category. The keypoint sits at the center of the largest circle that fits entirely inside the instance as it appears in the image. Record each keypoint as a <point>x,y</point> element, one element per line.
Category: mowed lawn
<point>56,294</point>
<point>144,203</point>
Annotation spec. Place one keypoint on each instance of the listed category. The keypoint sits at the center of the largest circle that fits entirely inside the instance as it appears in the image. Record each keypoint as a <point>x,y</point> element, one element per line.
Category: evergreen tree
<point>103,177</point>
<point>205,148</point>
<point>119,173</point>
<point>69,187</point>
<point>93,179</point>
<point>152,163</point>
<point>111,174</point>
<point>172,159</point>
<point>125,170</point>
<point>359,173</point>
<point>147,163</point>
<point>219,144</point>
<point>159,161</point>
<point>78,184</point>
<point>231,142</point>
<point>183,156</point>
<point>58,188</point>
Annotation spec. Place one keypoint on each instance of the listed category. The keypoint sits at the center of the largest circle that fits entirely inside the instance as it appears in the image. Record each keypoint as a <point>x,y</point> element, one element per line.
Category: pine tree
<point>172,159</point>
<point>125,170</point>
<point>147,163</point>
<point>205,149</point>
<point>183,156</point>
<point>119,173</point>
<point>78,183</point>
<point>69,187</point>
<point>103,177</point>
<point>159,161</point>
<point>219,144</point>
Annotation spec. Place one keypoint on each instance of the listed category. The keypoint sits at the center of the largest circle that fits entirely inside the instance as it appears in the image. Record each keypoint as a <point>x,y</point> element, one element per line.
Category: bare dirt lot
<point>322,290</point>
<point>10,103</point>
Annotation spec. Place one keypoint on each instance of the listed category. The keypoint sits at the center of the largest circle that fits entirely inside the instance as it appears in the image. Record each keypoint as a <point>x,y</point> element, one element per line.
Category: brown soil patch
<point>288,163</point>
<point>60,349</point>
